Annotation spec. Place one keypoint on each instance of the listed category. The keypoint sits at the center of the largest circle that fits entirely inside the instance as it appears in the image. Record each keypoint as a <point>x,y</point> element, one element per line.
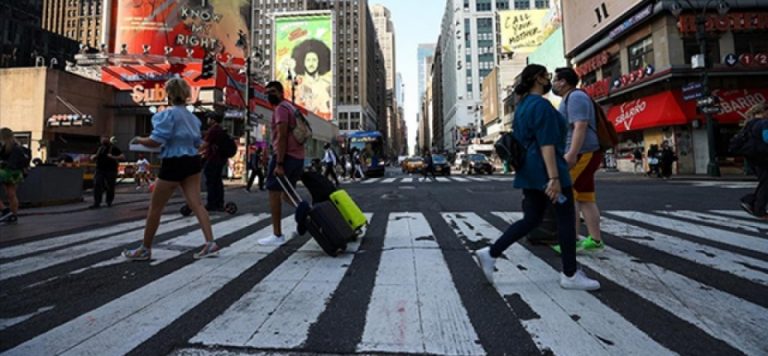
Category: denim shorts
<point>293,168</point>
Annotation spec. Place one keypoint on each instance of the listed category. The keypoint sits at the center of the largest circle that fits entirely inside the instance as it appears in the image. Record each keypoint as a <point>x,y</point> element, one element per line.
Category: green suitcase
<point>348,209</point>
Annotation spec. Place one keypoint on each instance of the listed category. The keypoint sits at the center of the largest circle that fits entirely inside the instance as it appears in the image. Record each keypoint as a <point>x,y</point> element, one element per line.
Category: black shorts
<point>176,169</point>
<point>293,168</point>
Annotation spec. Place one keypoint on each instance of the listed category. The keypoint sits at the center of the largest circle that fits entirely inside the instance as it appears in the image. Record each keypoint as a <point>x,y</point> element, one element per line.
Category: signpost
<point>692,91</point>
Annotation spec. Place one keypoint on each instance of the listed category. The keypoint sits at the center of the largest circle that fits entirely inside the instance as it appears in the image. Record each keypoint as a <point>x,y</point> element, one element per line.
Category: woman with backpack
<point>543,177</point>
<point>756,124</point>
<point>14,159</point>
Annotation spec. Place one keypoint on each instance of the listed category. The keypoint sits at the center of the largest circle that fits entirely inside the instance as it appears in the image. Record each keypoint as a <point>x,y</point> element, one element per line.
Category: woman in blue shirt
<point>178,132</point>
<point>544,178</point>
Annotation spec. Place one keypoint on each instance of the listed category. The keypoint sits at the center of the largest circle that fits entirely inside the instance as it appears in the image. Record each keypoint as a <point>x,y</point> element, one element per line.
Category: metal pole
<point>713,167</point>
<point>247,122</point>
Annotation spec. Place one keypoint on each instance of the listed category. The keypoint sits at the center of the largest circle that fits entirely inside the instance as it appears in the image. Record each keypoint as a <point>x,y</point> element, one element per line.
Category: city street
<point>685,271</point>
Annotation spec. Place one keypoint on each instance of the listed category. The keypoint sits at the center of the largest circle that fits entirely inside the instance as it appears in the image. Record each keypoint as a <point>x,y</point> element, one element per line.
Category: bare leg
<point>591,219</point>
<point>190,186</point>
<point>13,200</point>
<point>275,207</point>
<point>163,191</point>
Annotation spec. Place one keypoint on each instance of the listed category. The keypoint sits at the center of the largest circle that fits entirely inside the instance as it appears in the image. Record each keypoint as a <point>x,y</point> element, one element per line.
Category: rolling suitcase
<point>319,187</point>
<point>324,222</point>
<point>348,209</point>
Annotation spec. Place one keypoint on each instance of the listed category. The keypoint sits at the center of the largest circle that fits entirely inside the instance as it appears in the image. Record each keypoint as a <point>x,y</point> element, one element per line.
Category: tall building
<point>80,20</point>
<point>23,43</point>
<point>437,101</point>
<point>468,41</point>
<point>423,51</point>
<point>385,32</point>
<point>359,65</point>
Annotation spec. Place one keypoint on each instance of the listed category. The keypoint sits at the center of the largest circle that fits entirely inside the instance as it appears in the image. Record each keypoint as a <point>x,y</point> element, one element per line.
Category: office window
<point>750,43</point>
<point>589,78</point>
<point>641,54</point>
<point>612,70</point>
<point>542,4</point>
<point>502,5</point>
<point>522,4</point>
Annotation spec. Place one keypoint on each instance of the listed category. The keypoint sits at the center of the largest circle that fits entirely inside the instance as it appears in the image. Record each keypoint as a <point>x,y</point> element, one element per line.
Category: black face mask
<point>274,99</point>
<point>547,88</point>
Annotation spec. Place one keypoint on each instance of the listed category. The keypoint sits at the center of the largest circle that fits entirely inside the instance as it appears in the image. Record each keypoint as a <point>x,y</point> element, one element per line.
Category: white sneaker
<point>272,240</point>
<point>578,281</point>
<point>486,262</point>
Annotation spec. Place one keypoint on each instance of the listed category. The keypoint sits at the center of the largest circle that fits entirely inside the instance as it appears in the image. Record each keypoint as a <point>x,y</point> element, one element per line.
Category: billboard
<point>586,18</point>
<point>198,25</point>
<point>522,31</point>
<point>490,96</point>
<point>303,47</point>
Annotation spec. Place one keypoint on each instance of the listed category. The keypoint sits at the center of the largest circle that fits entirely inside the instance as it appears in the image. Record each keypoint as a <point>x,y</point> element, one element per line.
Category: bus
<point>371,147</point>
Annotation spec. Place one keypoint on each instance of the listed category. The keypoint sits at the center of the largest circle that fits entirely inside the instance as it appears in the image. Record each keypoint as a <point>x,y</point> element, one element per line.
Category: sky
<point>413,25</point>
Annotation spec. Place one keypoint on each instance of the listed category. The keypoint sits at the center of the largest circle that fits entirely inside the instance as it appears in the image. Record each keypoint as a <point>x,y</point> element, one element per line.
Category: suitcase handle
<point>293,195</point>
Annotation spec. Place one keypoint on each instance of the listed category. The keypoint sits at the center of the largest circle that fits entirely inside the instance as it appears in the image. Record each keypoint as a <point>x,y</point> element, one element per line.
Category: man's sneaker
<point>486,262</point>
<point>589,245</point>
<point>578,281</point>
<point>747,208</point>
<point>5,214</point>
<point>209,249</point>
<point>140,254</point>
<point>10,219</point>
<point>272,240</point>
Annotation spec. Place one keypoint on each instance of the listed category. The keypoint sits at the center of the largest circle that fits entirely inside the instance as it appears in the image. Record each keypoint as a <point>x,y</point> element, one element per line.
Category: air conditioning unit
<point>698,61</point>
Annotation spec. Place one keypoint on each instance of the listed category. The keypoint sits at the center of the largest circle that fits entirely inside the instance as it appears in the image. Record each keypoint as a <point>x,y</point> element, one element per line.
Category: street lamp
<point>713,167</point>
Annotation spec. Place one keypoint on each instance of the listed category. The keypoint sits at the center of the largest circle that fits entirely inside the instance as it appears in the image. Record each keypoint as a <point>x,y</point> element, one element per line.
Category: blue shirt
<point>577,106</point>
<point>537,124</point>
<point>178,130</point>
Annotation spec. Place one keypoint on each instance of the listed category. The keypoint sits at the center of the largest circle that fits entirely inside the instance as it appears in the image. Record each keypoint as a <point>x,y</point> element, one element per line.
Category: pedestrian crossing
<point>677,281</point>
<point>441,179</point>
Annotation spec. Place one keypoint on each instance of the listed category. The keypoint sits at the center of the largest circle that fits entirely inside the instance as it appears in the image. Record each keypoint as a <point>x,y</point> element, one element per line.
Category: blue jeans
<point>535,203</point>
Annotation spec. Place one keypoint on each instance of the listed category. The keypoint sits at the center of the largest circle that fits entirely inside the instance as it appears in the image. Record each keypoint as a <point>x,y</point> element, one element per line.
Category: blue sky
<point>414,24</point>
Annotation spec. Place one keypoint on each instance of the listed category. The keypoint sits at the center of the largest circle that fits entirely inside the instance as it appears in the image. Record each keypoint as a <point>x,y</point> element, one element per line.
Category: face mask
<point>274,99</point>
<point>547,87</point>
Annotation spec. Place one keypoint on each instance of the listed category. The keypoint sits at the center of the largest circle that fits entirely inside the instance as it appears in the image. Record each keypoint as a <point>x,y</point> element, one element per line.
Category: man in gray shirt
<point>583,153</point>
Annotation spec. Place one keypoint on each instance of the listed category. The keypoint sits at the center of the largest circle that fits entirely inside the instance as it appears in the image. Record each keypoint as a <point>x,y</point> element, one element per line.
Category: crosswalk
<point>440,179</point>
<point>677,281</point>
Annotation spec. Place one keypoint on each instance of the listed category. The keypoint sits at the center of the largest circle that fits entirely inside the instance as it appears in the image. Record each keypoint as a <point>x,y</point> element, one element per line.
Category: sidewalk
<point>617,176</point>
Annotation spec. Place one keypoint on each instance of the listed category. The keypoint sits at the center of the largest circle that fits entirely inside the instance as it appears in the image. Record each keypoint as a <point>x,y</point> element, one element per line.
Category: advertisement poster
<point>181,25</point>
<point>523,31</point>
<point>304,48</point>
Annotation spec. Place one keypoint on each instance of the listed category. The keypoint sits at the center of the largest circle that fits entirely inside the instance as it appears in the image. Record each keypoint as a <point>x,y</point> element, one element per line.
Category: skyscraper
<point>424,50</point>
<point>385,32</point>
<point>80,20</point>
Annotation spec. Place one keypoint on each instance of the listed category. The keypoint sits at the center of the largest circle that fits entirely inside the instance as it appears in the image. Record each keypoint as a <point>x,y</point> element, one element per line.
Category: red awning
<point>668,108</point>
<point>661,109</point>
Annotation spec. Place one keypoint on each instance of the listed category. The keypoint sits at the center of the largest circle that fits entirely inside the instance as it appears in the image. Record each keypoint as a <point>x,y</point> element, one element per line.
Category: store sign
<point>628,111</point>
<point>603,87</point>
<point>599,88</point>
<point>737,102</point>
<point>634,20</point>
<point>69,120</point>
<point>157,95</point>
<point>733,21</point>
<point>593,64</point>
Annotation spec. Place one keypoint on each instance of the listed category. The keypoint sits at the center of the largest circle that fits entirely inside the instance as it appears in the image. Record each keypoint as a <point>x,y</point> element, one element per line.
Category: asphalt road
<point>685,272</point>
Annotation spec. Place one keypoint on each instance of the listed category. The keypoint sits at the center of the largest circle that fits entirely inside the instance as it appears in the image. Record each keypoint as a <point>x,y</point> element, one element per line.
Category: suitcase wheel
<point>185,210</point>
<point>230,208</point>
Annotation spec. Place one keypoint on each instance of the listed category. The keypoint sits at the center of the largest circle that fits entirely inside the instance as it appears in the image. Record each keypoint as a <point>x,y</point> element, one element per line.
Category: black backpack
<point>744,143</point>
<point>509,149</point>
<point>227,147</point>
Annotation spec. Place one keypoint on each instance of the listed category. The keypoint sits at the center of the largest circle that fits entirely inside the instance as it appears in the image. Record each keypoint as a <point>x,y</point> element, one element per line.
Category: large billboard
<point>490,96</point>
<point>181,25</point>
<point>583,19</point>
<point>522,31</point>
<point>303,48</point>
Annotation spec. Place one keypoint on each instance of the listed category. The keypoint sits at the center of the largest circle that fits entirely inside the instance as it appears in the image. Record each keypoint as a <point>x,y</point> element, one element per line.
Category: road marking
<point>7,323</point>
<point>407,180</point>
<point>371,180</point>
<point>718,259</point>
<point>415,307</point>
<point>703,232</point>
<point>147,310</point>
<point>742,214</point>
<point>278,312</point>
<point>58,241</point>
<point>38,262</point>
<point>460,179</point>
<point>537,284</point>
<point>388,180</point>
<point>180,245</point>
<point>476,179</point>
<point>719,220</point>
<point>721,315</point>
<point>443,179</point>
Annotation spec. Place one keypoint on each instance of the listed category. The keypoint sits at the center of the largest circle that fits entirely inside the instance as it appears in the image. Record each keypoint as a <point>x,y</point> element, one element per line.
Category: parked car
<point>413,165</point>
<point>441,164</point>
<point>477,163</point>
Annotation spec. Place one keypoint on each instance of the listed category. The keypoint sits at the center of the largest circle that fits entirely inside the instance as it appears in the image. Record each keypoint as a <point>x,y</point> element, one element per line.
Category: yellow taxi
<point>413,164</point>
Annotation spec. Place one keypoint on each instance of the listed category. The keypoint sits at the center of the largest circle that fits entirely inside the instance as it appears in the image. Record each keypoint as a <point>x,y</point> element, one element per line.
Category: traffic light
<point>209,66</point>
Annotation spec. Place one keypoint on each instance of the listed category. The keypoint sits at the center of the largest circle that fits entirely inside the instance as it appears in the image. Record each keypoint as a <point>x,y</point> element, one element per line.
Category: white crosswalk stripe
<point>415,305</point>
